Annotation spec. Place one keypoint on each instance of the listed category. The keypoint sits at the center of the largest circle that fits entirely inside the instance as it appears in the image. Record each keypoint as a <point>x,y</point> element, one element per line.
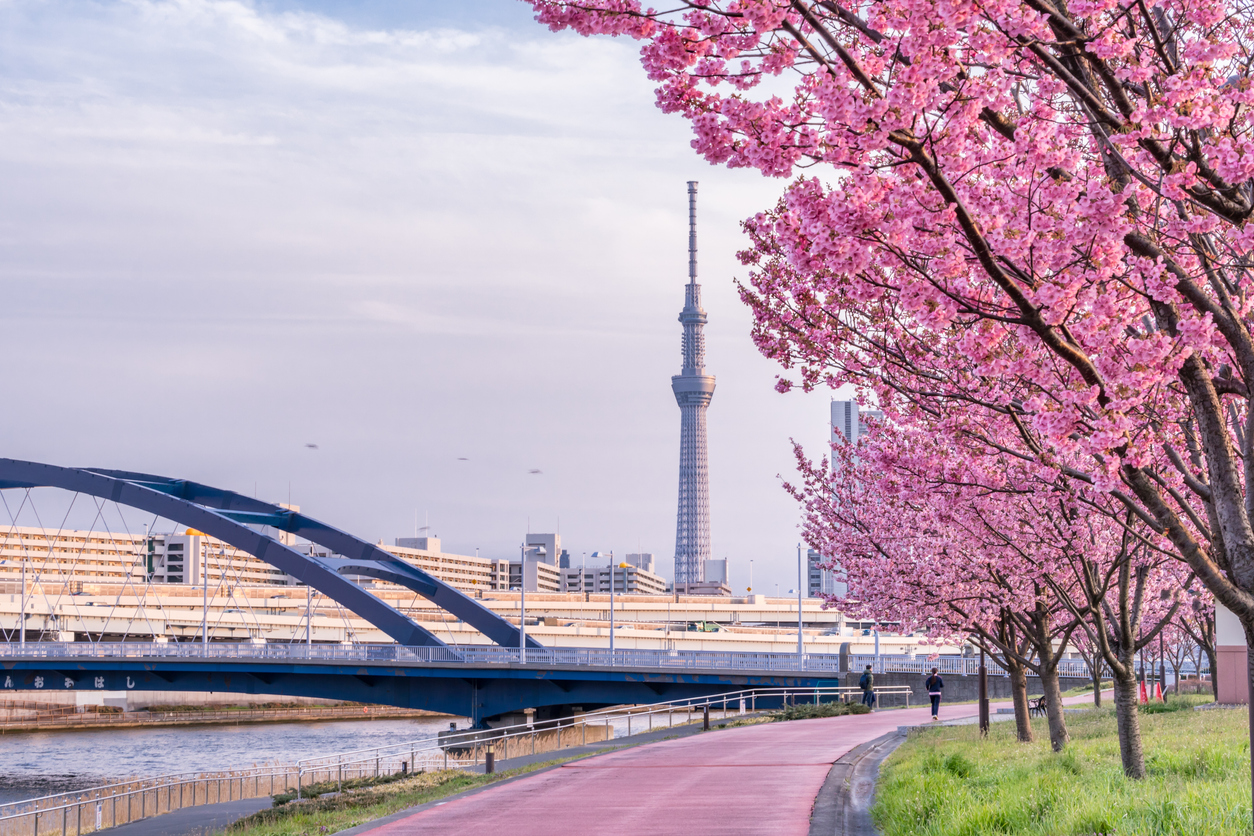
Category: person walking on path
<point>935,685</point>
<point>867,684</point>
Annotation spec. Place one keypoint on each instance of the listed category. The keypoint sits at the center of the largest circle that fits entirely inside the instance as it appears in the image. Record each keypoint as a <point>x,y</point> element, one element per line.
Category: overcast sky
<point>408,233</point>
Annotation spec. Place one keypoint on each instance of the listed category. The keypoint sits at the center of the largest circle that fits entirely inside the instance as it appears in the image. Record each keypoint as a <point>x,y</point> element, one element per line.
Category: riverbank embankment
<point>83,720</point>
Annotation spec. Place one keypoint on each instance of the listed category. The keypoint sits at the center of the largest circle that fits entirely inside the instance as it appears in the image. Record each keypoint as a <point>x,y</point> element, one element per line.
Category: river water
<point>41,763</point>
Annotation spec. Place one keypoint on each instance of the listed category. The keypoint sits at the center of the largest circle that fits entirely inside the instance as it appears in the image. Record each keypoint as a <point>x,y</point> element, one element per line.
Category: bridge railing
<point>468,749</point>
<point>494,655</point>
<point>962,665</point>
<point>110,805</point>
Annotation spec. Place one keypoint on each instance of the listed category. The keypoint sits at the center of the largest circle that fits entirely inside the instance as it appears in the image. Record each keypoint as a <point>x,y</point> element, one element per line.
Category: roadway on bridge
<point>751,780</point>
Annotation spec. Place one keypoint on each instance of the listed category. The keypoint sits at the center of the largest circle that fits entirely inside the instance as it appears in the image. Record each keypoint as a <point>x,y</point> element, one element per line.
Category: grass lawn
<point>947,781</point>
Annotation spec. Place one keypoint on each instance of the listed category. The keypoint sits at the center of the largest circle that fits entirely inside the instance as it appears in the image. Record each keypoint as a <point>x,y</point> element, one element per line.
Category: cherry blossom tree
<point>1056,193</point>
<point>921,541</point>
<point>931,531</point>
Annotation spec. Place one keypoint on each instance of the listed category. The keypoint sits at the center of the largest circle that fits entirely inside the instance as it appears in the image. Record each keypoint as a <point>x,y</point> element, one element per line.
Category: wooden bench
<point>1036,707</point>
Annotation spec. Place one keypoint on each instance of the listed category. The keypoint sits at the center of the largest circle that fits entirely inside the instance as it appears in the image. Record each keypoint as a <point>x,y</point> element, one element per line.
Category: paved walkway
<point>750,780</point>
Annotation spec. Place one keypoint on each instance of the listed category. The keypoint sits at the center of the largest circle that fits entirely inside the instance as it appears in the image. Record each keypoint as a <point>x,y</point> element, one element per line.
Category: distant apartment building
<point>461,571</point>
<point>596,580</point>
<point>717,580</point>
<point>822,581</point>
<point>190,558</point>
<point>535,576</point>
<point>75,557</point>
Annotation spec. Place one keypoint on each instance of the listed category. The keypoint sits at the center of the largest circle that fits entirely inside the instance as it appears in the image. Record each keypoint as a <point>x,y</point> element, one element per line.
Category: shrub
<point>810,711</point>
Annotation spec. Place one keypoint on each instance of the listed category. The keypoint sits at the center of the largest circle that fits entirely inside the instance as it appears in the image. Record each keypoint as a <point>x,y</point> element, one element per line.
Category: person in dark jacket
<point>935,685</point>
<point>867,684</point>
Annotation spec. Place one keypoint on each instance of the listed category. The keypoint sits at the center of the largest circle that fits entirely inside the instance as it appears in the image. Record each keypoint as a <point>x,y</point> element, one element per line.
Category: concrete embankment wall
<point>140,700</point>
<point>958,687</point>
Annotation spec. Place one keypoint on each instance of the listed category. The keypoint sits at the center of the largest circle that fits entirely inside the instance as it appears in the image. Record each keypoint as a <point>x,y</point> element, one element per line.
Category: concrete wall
<point>1232,679</point>
<point>137,700</point>
<point>958,688</point>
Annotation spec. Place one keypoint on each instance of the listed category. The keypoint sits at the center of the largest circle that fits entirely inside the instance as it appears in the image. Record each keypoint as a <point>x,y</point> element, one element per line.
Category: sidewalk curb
<point>843,805</point>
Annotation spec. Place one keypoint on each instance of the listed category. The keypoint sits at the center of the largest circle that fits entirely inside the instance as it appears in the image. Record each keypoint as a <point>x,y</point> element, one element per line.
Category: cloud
<point>398,240</point>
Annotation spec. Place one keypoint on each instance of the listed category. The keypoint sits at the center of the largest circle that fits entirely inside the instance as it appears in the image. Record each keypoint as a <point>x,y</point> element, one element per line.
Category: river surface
<point>41,763</point>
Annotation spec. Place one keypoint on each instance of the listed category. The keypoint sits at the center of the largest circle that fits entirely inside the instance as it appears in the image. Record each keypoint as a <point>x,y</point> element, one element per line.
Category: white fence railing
<point>962,665</point>
<point>557,657</point>
<point>110,805</point>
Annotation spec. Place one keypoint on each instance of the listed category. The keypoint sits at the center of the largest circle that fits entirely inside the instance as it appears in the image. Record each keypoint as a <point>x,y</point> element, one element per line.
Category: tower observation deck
<point>693,390</point>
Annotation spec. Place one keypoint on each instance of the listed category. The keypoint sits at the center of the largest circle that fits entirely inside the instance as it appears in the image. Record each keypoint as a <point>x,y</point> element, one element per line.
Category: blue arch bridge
<point>419,671</point>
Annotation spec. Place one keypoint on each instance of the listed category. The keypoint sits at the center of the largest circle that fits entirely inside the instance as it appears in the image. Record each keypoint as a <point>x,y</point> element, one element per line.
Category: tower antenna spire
<point>693,390</point>
<point>692,232</point>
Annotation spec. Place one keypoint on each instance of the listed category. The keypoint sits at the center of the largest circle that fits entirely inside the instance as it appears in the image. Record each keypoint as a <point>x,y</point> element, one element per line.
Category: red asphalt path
<point>749,780</point>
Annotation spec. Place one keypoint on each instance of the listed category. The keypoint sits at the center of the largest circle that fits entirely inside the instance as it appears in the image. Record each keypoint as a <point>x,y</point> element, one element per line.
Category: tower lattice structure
<point>693,390</point>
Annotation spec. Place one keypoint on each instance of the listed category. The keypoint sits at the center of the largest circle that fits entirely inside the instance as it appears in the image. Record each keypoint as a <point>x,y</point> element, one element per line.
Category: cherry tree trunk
<point>1058,736</point>
<point>1097,687</point>
<point>1019,694</point>
<point>1128,721</point>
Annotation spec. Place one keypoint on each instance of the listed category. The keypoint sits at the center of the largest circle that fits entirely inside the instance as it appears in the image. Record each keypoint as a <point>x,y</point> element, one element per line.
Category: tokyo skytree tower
<point>693,391</point>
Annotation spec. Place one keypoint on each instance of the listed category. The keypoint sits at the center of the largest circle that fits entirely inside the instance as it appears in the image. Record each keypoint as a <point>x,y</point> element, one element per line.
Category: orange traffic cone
<point>1144,695</point>
<point>1158,692</point>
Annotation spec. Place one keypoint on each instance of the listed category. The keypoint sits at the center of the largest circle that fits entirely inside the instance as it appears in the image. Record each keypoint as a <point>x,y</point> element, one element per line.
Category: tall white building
<point>693,390</point>
<point>821,581</point>
<point>849,420</point>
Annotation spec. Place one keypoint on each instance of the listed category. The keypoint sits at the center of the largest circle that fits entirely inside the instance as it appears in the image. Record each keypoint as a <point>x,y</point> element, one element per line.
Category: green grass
<point>1086,689</point>
<point>946,781</point>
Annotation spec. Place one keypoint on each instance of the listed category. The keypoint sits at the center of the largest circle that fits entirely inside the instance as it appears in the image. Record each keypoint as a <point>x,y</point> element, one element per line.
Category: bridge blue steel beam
<point>473,691</point>
<point>359,557</point>
<point>20,474</point>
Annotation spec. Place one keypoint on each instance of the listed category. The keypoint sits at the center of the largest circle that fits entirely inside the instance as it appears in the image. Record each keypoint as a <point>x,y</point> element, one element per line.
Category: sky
<point>436,240</point>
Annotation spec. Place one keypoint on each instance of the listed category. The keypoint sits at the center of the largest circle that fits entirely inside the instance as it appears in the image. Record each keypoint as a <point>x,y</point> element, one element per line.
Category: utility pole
<point>1162,665</point>
<point>204,610</point>
<point>522,591</point>
<point>611,607</point>
<point>21,625</point>
<point>983,696</point>
<point>308,619</point>
<point>801,647</point>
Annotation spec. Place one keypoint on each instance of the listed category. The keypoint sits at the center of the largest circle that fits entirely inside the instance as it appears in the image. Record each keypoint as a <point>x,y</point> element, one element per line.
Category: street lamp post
<point>983,696</point>
<point>21,625</point>
<point>522,615</point>
<point>611,608</point>
<point>308,618</point>
<point>1162,665</point>
<point>203,559</point>
<point>801,648</point>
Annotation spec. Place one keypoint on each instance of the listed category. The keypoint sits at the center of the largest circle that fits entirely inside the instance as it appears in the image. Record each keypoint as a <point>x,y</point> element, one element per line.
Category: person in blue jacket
<point>935,685</point>
<point>867,684</point>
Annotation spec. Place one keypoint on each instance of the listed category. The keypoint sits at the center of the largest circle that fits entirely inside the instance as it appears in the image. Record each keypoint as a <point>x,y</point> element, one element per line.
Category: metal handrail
<point>123,794</point>
<point>476,738</point>
<point>495,655</point>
